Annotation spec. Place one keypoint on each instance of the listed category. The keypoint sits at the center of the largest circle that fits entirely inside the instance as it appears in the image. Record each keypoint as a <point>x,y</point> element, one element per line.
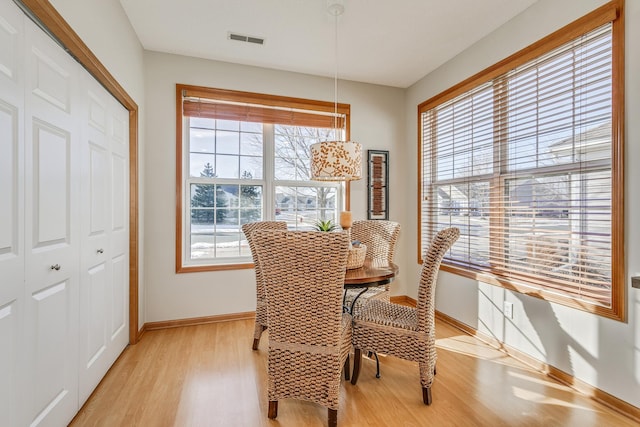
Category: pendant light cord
<point>335,81</point>
<point>336,9</point>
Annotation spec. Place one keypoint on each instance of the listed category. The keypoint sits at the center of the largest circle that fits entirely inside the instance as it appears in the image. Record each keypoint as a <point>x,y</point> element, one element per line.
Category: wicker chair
<point>380,237</point>
<point>406,332</point>
<point>261,303</point>
<point>309,336</point>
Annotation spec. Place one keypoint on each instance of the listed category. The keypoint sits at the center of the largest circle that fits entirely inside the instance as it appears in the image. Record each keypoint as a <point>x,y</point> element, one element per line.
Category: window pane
<point>251,127</point>
<point>202,195</point>
<point>292,151</point>
<point>285,169</point>
<point>251,144</point>
<point>250,196</point>
<point>215,218</point>
<point>251,167</point>
<point>466,206</point>
<point>556,99</point>
<point>227,142</point>
<point>201,165</point>
<point>303,169</point>
<point>549,221</point>
<point>228,233</point>
<point>464,136</point>
<point>302,206</point>
<point>232,125</point>
<point>203,244</point>
<point>227,166</point>
<point>250,215</point>
<point>227,217</point>
<point>202,140</point>
<point>227,196</point>
<point>202,217</point>
<point>199,122</point>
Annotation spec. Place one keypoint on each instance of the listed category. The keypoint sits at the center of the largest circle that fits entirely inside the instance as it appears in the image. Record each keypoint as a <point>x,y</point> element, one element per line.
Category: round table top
<point>370,274</point>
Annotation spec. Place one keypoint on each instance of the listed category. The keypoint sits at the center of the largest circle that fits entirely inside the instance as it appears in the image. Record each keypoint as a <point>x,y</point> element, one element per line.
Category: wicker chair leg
<point>426,395</point>
<point>347,369</point>
<point>357,358</point>
<point>333,417</point>
<point>259,329</point>
<point>273,409</point>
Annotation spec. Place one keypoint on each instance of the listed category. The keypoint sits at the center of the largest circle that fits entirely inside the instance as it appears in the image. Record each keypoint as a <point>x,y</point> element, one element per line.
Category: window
<point>525,159</point>
<point>245,157</point>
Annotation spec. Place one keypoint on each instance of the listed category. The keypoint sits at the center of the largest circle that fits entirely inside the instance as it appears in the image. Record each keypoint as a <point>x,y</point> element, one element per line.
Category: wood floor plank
<point>207,375</point>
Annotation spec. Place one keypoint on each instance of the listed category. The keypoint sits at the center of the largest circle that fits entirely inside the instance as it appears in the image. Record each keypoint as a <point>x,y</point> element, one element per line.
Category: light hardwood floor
<point>207,375</point>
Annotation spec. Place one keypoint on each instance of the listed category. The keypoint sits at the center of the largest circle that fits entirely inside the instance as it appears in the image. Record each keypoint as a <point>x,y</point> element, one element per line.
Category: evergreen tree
<point>204,197</point>
<point>250,198</point>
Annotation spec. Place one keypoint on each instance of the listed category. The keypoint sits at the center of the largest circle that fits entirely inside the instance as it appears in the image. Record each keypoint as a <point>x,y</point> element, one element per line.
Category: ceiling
<point>392,43</point>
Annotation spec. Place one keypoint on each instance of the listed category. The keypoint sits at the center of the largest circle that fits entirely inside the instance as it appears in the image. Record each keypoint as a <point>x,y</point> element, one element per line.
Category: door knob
<point>100,251</point>
<point>55,267</point>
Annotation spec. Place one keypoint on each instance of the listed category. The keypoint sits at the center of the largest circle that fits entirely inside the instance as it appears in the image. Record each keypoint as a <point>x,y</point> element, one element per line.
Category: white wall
<point>105,29</point>
<point>377,122</point>
<point>599,351</point>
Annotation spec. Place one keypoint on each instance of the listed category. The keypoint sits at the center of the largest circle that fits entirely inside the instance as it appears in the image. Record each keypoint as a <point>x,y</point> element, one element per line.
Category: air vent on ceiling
<point>246,39</point>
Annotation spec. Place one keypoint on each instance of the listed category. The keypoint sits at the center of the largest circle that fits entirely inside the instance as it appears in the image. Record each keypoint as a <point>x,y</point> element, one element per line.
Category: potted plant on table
<point>322,225</point>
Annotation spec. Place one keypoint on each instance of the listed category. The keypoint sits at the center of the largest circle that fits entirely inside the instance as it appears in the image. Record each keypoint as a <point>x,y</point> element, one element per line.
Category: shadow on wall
<point>557,344</point>
<point>535,329</point>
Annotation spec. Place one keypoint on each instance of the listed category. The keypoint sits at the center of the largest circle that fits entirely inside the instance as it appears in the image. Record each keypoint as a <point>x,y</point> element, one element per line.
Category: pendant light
<point>336,160</point>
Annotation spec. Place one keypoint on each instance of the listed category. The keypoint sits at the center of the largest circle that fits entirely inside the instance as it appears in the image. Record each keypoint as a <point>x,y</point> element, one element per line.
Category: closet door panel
<point>95,294</point>
<point>10,325</point>
<point>118,136</point>
<point>104,284</point>
<point>120,206</point>
<point>54,391</point>
<point>12,291</point>
<point>94,341</point>
<point>11,201</point>
<point>95,186</point>
<point>120,312</point>
<point>11,43</point>
<point>52,212</point>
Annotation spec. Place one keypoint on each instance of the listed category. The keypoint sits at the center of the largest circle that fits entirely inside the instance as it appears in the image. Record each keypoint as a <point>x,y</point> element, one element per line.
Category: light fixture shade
<point>336,161</point>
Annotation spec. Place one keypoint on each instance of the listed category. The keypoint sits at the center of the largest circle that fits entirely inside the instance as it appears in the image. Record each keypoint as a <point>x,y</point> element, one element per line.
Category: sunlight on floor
<point>546,383</point>
<point>539,398</point>
<point>470,346</point>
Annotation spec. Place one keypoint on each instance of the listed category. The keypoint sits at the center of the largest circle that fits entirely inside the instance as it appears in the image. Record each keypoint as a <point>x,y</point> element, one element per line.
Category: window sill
<point>614,312</point>
<point>219,267</point>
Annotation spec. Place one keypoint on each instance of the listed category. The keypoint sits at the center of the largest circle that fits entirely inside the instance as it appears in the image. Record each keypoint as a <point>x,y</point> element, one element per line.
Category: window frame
<point>269,184</point>
<point>610,12</point>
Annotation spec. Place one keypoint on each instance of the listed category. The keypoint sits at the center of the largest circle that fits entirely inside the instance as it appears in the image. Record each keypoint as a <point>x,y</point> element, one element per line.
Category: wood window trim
<point>609,12</point>
<point>183,90</point>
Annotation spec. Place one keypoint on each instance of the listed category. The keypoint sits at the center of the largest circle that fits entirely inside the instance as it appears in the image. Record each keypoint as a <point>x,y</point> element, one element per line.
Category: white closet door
<point>52,149</point>
<point>118,135</point>
<point>104,262</point>
<point>11,212</point>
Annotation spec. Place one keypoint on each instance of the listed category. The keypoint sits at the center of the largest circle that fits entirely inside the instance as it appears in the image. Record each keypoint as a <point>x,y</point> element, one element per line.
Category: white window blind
<point>522,164</point>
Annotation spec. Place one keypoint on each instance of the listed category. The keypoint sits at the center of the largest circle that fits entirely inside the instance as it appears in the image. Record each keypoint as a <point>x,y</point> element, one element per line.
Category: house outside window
<point>525,159</point>
<point>245,157</point>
